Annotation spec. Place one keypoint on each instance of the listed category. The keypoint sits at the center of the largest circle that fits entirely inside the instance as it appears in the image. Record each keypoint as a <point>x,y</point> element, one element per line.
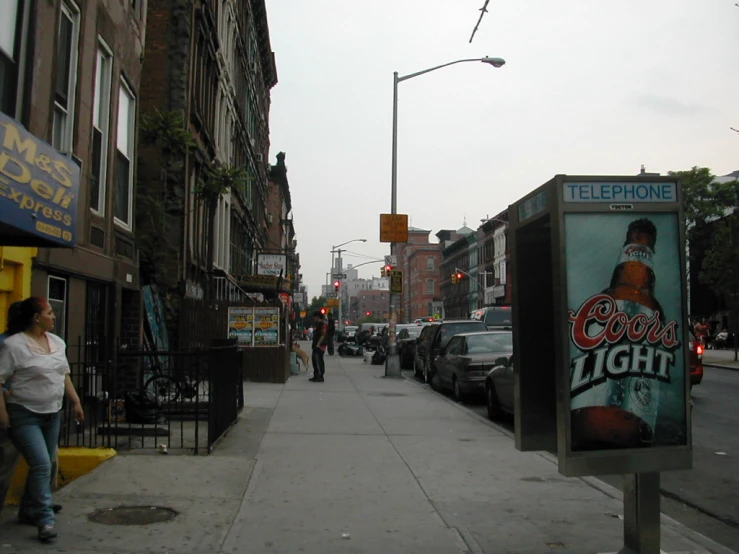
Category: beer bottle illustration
<point>622,412</point>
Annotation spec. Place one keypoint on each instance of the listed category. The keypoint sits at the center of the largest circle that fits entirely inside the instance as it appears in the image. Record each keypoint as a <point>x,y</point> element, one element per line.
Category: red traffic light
<point>323,311</point>
<point>459,275</point>
<point>369,313</point>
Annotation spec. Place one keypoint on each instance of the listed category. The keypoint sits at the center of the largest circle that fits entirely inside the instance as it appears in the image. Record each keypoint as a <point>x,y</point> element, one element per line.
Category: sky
<point>589,87</point>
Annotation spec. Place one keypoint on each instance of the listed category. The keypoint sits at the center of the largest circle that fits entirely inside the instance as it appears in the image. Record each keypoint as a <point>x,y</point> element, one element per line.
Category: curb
<point>720,366</point>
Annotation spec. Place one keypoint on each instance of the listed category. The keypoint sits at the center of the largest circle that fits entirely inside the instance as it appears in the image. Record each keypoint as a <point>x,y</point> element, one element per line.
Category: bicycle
<point>170,388</point>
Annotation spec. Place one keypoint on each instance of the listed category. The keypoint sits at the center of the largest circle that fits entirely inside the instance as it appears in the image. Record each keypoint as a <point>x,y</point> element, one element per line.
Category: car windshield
<point>498,317</point>
<point>448,331</point>
<point>494,342</point>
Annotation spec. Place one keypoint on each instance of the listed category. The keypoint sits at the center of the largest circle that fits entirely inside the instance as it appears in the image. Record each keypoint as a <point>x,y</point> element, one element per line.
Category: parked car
<point>407,344</point>
<point>432,339</point>
<point>696,359</point>
<point>494,317</point>
<point>347,334</point>
<point>465,362</point>
<point>499,389</point>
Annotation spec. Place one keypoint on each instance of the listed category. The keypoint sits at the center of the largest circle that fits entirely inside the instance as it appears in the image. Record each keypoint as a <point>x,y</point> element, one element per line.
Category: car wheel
<point>458,396</point>
<point>433,378</point>
<point>491,400</point>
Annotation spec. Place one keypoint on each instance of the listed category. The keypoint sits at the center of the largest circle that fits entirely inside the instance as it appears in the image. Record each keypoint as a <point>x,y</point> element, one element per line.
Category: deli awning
<point>39,190</point>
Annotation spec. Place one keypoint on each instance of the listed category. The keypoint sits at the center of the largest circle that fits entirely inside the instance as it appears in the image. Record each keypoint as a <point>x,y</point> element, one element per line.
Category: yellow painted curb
<point>73,463</point>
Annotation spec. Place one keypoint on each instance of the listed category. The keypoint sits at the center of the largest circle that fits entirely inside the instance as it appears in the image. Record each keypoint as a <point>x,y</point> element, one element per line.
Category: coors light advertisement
<point>627,365</point>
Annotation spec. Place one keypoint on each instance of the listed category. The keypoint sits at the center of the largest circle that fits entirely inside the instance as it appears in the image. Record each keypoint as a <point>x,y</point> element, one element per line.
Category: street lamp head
<point>495,62</point>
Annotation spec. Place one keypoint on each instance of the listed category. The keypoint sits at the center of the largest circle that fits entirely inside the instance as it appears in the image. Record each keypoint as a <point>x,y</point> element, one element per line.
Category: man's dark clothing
<point>319,366</point>
<point>330,331</point>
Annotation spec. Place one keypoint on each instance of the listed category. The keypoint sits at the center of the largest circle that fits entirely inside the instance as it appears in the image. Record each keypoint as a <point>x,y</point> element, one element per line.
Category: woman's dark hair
<point>13,313</point>
<point>23,320</point>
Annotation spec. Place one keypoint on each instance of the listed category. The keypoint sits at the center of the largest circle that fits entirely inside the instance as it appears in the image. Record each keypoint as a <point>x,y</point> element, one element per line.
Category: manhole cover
<point>132,515</point>
<point>386,394</point>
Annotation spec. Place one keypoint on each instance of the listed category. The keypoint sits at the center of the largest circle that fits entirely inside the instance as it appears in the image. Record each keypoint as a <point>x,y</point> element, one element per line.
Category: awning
<point>39,189</point>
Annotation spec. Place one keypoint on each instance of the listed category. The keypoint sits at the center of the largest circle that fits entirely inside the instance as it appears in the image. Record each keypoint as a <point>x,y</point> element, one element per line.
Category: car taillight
<point>699,349</point>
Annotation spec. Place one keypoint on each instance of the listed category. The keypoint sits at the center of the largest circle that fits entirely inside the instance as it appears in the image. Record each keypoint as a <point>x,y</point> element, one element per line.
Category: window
<point>430,283</point>
<point>124,157</point>
<point>100,128</point>
<point>66,77</point>
<point>58,301</point>
<point>10,14</point>
<point>430,263</point>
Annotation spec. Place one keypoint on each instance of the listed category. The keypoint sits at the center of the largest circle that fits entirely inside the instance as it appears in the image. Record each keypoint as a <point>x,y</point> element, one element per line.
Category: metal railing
<point>181,400</point>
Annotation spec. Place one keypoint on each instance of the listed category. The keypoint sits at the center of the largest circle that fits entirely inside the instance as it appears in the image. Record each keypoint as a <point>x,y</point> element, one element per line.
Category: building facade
<point>419,260</point>
<point>209,63</point>
<point>455,254</point>
<point>71,74</point>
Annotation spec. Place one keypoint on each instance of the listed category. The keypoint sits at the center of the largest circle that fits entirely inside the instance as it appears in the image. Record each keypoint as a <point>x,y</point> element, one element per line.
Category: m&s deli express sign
<point>39,188</point>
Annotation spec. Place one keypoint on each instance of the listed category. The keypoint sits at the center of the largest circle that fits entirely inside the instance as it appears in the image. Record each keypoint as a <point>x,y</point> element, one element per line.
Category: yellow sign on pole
<point>393,227</point>
<point>303,314</point>
<point>396,282</point>
<point>332,302</point>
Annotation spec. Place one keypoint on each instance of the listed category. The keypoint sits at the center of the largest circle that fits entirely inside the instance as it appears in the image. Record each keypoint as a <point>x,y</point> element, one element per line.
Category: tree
<point>720,268</point>
<point>221,180</point>
<point>167,133</point>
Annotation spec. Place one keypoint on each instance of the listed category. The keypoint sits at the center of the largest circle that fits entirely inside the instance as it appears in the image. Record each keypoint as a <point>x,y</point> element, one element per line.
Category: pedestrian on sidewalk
<point>320,330</point>
<point>9,455</point>
<point>34,365</point>
<point>330,332</point>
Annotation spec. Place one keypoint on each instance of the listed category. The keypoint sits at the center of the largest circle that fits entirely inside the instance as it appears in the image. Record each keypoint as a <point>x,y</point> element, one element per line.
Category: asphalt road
<point>705,498</point>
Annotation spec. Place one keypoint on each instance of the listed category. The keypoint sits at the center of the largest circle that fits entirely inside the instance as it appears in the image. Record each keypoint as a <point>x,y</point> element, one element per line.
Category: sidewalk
<point>723,359</point>
<point>358,464</point>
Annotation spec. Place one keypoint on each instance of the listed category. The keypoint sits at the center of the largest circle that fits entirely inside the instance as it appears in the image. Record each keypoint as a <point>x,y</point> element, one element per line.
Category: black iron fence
<point>174,400</point>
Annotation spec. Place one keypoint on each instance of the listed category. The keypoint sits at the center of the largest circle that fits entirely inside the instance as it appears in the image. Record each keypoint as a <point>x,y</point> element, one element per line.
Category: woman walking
<point>34,367</point>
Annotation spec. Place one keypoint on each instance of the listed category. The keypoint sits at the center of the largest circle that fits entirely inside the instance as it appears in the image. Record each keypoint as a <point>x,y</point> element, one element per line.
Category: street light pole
<point>392,363</point>
<point>335,249</point>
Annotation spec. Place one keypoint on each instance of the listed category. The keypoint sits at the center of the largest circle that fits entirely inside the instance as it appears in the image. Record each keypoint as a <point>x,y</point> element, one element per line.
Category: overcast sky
<point>589,87</point>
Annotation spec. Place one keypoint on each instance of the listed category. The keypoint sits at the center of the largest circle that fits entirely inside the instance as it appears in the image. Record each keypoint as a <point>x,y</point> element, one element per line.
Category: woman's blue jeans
<point>36,437</point>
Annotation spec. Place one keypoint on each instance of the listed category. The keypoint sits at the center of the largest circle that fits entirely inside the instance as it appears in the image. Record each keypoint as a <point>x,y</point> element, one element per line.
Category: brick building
<point>455,253</point>
<point>374,303</point>
<point>212,63</point>
<point>420,262</point>
<point>280,229</point>
<point>70,73</point>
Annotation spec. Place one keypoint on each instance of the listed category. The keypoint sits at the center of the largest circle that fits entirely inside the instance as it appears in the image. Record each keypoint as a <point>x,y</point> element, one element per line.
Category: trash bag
<point>378,358</point>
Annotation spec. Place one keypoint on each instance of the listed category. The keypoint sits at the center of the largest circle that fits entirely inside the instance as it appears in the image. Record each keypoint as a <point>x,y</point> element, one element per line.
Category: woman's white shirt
<point>34,377</point>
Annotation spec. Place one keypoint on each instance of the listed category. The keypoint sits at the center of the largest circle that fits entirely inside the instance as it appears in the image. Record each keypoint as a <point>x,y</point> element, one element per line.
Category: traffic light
<point>459,277</point>
<point>337,284</point>
<point>369,313</point>
<point>386,270</point>
<point>324,311</point>
<point>454,278</point>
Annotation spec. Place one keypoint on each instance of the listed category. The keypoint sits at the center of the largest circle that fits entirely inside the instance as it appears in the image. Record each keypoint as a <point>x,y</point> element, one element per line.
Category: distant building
<point>420,261</point>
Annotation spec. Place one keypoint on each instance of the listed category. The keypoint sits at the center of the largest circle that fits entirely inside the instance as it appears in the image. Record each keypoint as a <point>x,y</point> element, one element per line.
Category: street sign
<point>393,227</point>
<point>331,295</point>
<point>396,282</point>
<point>338,275</point>
<point>332,302</point>
<point>391,260</point>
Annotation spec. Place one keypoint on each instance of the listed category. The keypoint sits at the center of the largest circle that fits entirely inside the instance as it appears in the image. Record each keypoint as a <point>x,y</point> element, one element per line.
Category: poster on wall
<point>266,326</point>
<point>241,325</point>
<point>626,331</point>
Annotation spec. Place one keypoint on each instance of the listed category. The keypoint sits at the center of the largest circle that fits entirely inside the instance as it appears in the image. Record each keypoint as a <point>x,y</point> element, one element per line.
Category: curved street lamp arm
<point>347,242</point>
<point>406,77</point>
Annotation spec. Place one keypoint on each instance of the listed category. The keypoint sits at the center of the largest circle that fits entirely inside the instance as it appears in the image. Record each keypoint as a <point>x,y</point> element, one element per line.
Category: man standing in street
<point>320,331</point>
<point>331,331</point>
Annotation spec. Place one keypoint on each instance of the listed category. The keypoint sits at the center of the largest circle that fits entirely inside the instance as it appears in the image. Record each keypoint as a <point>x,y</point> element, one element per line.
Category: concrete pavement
<point>358,464</point>
<point>720,358</point>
